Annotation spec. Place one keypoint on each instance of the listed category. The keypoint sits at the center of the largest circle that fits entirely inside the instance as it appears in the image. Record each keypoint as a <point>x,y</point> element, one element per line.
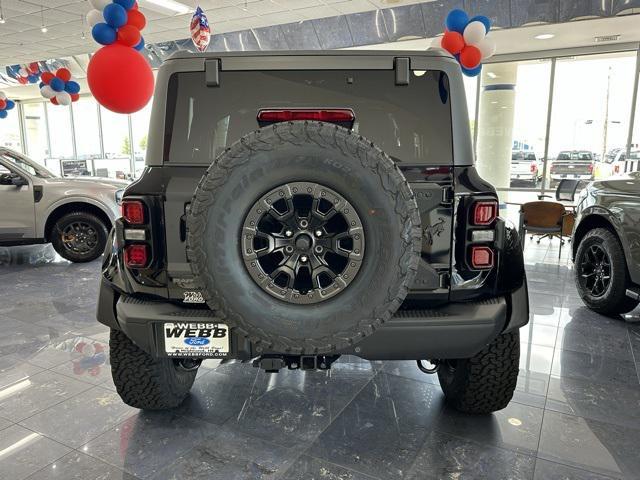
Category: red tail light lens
<point>133,212</point>
<point>481,258</point>
<point>484,213</point>
<point>338,115</point>
<point>136,256</point>
<point>616,169</point>
<point>590,168</point>
<point>534,167</point>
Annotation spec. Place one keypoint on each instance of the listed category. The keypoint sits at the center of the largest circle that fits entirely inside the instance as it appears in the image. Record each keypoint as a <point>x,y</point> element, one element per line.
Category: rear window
<point>412,123</point>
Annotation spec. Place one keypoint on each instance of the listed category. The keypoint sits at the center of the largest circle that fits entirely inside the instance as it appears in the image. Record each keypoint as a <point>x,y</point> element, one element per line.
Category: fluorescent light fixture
<point>544,36</point>
<point>171,5</point>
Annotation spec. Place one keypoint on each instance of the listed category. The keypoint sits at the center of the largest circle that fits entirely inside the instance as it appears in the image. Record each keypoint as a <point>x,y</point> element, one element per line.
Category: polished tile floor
<point>576,413</point>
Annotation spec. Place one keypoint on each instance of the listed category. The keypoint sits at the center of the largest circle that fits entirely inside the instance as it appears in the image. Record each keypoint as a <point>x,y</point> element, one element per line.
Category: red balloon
<point>33,67</point>
<point>120,78</point>
<point>452,42</point>
<point>63,74</point>
<point>129,36</point>
<point>47,77</point>
<point>54,100</point>
<point>136,18</point>
<point>22,80</point>
<point>3,104</point>
<point>470,57</point>
<point>75,96</point>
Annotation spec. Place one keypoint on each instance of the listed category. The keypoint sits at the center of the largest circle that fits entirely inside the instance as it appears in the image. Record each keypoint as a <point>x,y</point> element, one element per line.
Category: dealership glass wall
<point>542,120</point>
<point>534,121</point>
<point>81,139</point>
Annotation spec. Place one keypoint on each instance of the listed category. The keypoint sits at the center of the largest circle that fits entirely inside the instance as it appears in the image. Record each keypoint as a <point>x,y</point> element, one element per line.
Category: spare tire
<point>304,236</point>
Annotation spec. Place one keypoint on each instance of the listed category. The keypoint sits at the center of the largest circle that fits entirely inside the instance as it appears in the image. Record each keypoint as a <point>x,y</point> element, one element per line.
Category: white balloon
<point>94,16</point>
<point>474,33</point>
<point>47,91</point>
<point>23,72</point>
<point>487,47</point>
<point>99,4</point>
<point>3,96</point>
<point>63,98</point>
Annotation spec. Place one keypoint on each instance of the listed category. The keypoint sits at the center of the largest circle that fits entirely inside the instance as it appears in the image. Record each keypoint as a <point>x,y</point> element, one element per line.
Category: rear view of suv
<point>301,206</point>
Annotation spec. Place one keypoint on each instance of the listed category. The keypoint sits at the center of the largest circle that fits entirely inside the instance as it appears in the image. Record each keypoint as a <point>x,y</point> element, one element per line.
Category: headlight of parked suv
<point>119,196</point>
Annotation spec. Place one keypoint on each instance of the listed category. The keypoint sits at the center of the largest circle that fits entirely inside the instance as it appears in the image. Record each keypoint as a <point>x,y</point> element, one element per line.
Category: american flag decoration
<point>200,31</point>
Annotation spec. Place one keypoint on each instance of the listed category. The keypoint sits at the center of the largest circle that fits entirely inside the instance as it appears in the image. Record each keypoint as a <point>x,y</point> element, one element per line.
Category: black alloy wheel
<point>595,270</point>
<point>79,237</point>
<point>303,242</point>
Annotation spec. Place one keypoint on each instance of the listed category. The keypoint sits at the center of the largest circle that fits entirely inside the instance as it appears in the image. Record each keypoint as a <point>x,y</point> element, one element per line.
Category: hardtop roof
<point>430,53</point>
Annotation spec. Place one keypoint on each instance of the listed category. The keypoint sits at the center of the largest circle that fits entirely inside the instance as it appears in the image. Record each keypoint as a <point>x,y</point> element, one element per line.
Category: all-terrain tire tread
<point>143,381</point>
<point>487,380</point>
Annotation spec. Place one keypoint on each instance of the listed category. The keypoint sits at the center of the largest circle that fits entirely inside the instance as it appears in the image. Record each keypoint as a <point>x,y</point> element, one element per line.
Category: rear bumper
<point>571,176</point>
<point>455,330</point>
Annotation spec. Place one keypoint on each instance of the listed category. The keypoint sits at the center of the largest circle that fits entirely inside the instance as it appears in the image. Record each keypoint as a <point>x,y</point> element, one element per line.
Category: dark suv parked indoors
<point>606,244</point>
<point>333,210</point>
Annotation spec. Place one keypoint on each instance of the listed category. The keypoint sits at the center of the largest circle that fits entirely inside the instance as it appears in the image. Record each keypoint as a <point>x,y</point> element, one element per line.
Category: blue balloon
<point>32,78</point>
<point>483,19</point>
<point>10,104</point>
<point>72,87</point>
<point>471,72</point>
<point>457,20</point>
<point>56,84</point>
<point>3,114</point>
<point>103,34</point>
<point>115,15</point>
<point>140,45</point>
<point>126,4</point>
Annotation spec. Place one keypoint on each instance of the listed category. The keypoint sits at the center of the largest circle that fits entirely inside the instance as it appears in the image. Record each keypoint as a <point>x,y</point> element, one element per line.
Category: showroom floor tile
<point>574,414</point>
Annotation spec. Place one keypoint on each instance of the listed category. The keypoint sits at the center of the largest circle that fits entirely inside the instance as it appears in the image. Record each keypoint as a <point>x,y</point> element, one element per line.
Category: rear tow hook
<point>433,369</point>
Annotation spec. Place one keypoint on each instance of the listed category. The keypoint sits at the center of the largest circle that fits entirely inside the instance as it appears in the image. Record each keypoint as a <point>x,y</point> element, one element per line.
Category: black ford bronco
<point>300,206</point>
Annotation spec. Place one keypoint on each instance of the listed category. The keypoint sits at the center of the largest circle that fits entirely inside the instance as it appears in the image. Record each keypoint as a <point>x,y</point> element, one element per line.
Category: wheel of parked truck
<point>485,382</point>
<point>304,236</point>
<point>79,236</point>
<point>601,273</point>
<point>147,382</point>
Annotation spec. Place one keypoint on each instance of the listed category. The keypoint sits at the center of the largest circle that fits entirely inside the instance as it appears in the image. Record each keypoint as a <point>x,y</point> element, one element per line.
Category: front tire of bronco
<point>143,381</point>
<point>485,382</point>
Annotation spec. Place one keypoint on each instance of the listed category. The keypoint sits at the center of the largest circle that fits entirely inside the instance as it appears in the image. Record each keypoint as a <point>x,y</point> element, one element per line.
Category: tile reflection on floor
<point>575,413</point>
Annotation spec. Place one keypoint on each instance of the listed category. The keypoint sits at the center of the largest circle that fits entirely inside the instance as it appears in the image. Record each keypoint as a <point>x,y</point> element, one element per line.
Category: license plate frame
<point>196,339</point>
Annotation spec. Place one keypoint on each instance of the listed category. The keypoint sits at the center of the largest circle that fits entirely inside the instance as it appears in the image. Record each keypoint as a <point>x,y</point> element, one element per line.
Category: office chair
<point>547,219</point>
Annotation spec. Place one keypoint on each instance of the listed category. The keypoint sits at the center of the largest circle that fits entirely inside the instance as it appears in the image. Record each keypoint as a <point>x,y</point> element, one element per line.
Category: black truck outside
<point>299,206</point>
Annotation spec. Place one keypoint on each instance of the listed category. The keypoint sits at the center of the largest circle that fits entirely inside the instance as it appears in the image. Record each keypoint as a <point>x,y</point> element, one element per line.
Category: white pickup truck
<point>525,168</point>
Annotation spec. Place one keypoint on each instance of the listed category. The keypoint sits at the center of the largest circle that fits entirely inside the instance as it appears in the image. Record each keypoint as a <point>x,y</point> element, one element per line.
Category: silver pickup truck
<point>74,214</point>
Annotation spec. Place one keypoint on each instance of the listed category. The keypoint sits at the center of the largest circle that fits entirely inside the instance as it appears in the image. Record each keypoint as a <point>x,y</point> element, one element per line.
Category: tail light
<point>616,169</point>
<point>481,257</point>
<point>590,168</point>
<point>133,212</point>
<point>136,255</point>
<point>484,213</point>
<point>534,167</point>
<point>342,116</point>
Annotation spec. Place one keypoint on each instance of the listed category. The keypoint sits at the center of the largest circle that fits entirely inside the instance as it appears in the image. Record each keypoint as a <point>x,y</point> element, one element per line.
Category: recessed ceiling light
<point>177,7</point>
<point>544,36</point>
